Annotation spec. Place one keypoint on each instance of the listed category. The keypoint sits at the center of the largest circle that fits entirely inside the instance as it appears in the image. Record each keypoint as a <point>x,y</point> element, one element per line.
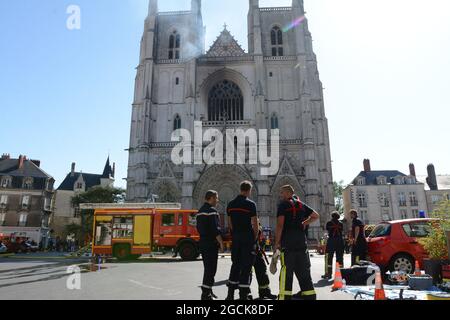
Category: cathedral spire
<point>299,5</point>
<point>253,4</point>
<point>196,6</point>
<point>152,7</point>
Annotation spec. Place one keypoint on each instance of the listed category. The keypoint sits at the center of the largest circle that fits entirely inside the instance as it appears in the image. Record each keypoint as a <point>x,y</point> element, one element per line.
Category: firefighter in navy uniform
<point>208,226</point>
<point>261,270</point>
<point>358,239</point>
<point>292,219</point>
<point>243,222</point>
<point>335,244</point>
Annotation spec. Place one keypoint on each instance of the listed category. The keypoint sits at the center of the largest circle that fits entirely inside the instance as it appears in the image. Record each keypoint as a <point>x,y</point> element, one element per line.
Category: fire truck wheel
<point>122,251</point>
<point>188,251</point>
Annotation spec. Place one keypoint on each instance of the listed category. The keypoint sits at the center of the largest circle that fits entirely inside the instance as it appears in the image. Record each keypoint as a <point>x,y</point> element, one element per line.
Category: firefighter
<point>260,266</point>
<point>243,223</point>
<point>208,227</point>
<point>335,244</point>
<point>293,217</point>
<point>358,239</point>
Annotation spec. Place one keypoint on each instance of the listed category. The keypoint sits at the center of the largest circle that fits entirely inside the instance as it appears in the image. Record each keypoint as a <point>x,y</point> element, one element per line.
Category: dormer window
<point>381,180</point>
<point>6,182</point>
<point>174,46</point>
<point>28,183</point>
<point>276,40</point>
<point>360,181</point>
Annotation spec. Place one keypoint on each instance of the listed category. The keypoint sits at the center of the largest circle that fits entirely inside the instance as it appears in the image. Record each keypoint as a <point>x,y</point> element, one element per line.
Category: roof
<point>371,176</point>
<point>225,46</point>
<point>91,180</point>
<point>10,167</point>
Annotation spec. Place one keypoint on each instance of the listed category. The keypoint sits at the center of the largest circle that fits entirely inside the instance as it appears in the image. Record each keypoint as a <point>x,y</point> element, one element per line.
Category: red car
<point>394,245</point>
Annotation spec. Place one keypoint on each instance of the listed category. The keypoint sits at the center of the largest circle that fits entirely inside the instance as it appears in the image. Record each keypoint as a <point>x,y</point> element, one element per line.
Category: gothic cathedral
<point>275,85</point>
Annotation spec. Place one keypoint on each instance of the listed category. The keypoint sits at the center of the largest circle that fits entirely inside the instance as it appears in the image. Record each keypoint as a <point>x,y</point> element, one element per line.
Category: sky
<point>65,95</point>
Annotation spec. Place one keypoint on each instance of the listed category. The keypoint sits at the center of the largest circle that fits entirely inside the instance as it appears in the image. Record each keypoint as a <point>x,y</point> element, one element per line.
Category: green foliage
<point>338,189</point>
<point>436,242</point>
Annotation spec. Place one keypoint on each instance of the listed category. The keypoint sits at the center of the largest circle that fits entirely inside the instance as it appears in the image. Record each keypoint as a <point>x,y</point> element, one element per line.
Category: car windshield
<point>381,230</point>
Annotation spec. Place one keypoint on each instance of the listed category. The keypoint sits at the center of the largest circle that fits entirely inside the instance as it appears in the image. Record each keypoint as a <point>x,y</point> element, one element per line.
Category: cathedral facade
<point>275,85</point>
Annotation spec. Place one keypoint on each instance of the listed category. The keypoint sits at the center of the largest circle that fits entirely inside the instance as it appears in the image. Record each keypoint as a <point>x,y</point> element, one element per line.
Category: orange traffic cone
<point>417,271</point>
<point>338,284</point>
<point>379,290</point>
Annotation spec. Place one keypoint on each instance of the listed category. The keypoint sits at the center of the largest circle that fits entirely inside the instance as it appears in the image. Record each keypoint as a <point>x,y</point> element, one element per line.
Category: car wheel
<point>188,251</point>
<point>402,262</point>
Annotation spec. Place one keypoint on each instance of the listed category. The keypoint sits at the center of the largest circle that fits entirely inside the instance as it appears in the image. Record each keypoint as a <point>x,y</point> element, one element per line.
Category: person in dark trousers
<point>261,270</point>
<point>335,244</point>
<point>293,217</point>
<point>358,239</point>
<point>243,222</point>
<point>208,226</point>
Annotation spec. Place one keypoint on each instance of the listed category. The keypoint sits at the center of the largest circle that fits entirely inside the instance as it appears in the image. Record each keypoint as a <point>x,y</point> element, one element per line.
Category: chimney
<point>22,160</point>
<point>412,169</point>
<point>6,156</point>
<point>36,162</point>
<point>431,179</point>
<point>72,170</point>
<point>367,165</point>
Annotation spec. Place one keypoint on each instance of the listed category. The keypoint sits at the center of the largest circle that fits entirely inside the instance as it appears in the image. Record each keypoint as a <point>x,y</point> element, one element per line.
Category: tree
<point>338,188</point>
<point>436,242</point>
<point>95,195</point>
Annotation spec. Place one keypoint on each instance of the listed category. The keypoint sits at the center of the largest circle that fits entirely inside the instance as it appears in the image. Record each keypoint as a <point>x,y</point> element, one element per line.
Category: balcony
<point>414,203</point>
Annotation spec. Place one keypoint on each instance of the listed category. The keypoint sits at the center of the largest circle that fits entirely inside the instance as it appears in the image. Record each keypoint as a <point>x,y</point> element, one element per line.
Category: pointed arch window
<point>177,122</point>
<point>174,45</point>
<point>276,39</point>
<point>225,102</point>
<point>274,122</point>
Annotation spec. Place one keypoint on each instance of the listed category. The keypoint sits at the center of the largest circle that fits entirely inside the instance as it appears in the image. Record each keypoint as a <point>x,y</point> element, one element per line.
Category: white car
<point>3,248</point>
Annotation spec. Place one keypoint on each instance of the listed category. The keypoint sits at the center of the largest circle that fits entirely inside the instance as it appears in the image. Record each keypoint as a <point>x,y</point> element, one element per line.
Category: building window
<point>174,46</point>
<point>6,182</point>
<point>2,219</point>
<point>276,39</point>
<point>47,203</point>
<point>177,123</point>
<point>23,220</point>
<point>360,181</point>
<point>177,81</point>
<point>3,200</point>
<point>168,220</point>
<point>362,200</point>
<point>381,180</point>
<point>384,200</point>
<point>413,199</point>
<point>436,199</point>
<point>415,213</point>
<point>79,185</point>
<point>274,122</point>
<point>25,202</point>
<point>404,214</point>
<point>386,216</point>
<point>28,183</point>
<point>225,102</point>
<point>402,199</point>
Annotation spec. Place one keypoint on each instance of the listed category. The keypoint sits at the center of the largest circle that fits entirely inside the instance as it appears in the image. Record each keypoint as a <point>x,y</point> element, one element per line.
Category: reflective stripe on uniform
<point>282,278</point>
<point>232,282</point>
<point>206,214</point>
<point>263,287</point>
<point>308,293</point>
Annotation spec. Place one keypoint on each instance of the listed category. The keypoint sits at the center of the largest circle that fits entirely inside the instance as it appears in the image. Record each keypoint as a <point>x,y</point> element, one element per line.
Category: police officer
<point>293,218</point>
<point>261,270</point>
<point>208,227</point>
<point>335,244</point>
<point>243,222</point>
<point>358,239</point>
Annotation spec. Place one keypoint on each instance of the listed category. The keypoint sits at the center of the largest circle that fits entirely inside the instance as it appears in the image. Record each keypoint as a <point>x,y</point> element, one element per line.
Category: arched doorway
<point>225,179</point>
<point>225,101</point>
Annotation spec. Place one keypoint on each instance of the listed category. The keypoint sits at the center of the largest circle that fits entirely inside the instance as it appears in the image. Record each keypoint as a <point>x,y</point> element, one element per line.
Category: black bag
<point>359,275</point>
